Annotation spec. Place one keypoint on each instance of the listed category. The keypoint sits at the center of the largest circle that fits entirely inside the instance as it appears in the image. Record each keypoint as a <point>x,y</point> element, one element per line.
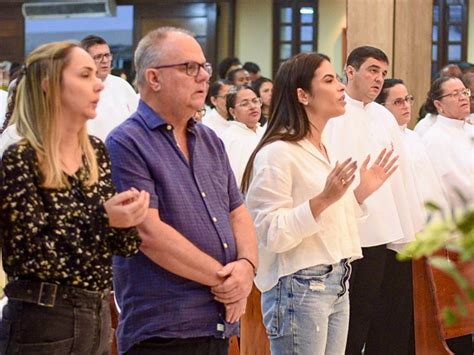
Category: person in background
<point>3,105</point>
<point>238,76</point>
<point>253,69</point>
<point>186,289</point>
<point>264,88</point>
<point>60,219</point>
<point>394,215</point>
<point>118,100</point>
<point>397,326</point>
<point>228,64</point>
<point>305,211</point>
<point>468,80</point>
<point>450,70</point>
<point>216,118</point>
<point>244,131</point>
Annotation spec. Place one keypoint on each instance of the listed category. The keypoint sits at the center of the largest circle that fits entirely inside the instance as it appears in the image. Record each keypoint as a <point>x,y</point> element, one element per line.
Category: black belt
<point>49,294</point>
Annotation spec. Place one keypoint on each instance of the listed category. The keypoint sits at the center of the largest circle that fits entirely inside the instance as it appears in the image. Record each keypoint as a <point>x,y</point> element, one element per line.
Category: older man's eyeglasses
<point>99,58</point>
<point>256,101</point>
<point>192,68</point>
<point>409,99</point>
<point>457,94</point>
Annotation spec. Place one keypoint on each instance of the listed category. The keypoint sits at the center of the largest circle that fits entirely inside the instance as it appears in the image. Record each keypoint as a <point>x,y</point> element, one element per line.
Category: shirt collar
<point>154,120</point>
<point>450,122</point>
<point>355,102</point>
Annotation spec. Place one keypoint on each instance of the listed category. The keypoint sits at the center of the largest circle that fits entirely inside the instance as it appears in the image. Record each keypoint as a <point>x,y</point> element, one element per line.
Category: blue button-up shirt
<point>195,197</point>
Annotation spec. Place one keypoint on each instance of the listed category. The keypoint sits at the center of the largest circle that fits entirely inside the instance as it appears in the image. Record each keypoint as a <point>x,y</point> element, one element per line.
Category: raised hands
<point>339,180</point>
<point>372,178</point>
<point>128,208</point>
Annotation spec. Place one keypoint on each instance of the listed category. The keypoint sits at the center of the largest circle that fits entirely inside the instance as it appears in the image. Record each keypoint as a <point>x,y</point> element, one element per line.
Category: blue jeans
<point>307,313</point>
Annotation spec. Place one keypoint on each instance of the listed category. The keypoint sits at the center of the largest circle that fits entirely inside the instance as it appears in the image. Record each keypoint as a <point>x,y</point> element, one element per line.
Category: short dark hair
<point>360,54</point>
<point>92,40</point>
<point>225,64</point>
<point>214,89</point>
<point>251,67</point>
<point>232,73</point>
<point>387,84</point>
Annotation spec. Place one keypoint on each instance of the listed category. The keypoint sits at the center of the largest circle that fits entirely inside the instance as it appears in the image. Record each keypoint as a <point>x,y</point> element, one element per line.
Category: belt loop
<point>48,290</point>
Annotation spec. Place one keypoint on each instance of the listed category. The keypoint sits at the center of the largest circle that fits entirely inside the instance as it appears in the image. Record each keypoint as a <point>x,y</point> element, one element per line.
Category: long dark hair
<point>288,121</point>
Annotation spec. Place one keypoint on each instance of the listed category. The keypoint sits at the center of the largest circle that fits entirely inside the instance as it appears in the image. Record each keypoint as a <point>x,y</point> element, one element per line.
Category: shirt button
<point>225,245</point>
<point>203,194</point>
<point>214,219</point>
<point>169,127</point>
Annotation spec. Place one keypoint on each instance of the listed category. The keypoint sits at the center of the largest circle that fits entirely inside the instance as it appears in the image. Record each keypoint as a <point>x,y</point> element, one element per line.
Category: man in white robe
<point>394,213</point>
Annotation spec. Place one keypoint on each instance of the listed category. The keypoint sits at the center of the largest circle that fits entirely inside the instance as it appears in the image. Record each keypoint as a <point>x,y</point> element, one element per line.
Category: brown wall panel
<point>370,22</point>
<point>412,44</point>
<point>12,32</point>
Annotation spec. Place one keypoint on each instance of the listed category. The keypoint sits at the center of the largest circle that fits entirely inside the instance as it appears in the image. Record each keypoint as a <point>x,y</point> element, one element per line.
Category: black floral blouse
<point>59,235</point>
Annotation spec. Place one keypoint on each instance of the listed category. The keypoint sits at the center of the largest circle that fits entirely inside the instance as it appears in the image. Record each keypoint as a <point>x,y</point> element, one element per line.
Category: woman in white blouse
<point>216,117</point>
<point>448,141</point>
<point>244,131</point>
<point>303,212</point>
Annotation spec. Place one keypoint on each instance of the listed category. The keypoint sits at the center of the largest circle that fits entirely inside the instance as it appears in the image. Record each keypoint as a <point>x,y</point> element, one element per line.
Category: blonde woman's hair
<point>37,112</point>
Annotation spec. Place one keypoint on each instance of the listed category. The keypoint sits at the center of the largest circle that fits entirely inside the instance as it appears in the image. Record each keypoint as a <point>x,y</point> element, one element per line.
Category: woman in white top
<point>396,324</point>
<point>216,118</point>
<point>305,220</point>
<point>448,142</point>
<point>244,131</point>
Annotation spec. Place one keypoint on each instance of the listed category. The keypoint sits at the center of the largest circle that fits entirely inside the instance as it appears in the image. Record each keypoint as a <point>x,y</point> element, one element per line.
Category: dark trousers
<point>365,294</point>
<point>178,346</point>
<point>28,328</point>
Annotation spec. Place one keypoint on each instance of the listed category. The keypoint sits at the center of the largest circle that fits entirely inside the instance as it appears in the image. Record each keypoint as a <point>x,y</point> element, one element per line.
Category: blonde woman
<point>59,218</point>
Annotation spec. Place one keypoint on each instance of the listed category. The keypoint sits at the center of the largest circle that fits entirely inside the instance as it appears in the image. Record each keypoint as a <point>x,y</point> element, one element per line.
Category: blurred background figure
<point>228,64</point>
<point>253,70</point>
<point>216,117</point>
<point>450,70</point>
<point>264,89</point>
<point>118,100</point>
<point>238,76</point>
<point>200,114</point>
<point>244,132</point>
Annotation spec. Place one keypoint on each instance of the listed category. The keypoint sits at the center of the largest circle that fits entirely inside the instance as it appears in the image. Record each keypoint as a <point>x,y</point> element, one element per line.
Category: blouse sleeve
<point>23,219</point>
<point>121,241</point>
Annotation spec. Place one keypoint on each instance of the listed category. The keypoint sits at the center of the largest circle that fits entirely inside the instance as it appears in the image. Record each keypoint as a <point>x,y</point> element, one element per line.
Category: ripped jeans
<point>307,313</point>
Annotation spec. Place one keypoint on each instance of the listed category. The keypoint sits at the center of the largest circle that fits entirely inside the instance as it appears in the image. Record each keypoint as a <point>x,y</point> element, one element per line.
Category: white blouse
<point>240,142</point>
<point>451,150</point>
<point>394,213</point>
<point>216,122</point>
<point>286,175</point>
<point>425,124</point>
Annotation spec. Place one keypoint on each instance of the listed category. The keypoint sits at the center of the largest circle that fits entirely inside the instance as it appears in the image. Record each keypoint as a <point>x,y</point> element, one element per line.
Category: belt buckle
<point>49,290</point>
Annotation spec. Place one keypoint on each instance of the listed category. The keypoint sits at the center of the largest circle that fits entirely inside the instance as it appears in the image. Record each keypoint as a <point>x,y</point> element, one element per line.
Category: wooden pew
<point>433,291</point>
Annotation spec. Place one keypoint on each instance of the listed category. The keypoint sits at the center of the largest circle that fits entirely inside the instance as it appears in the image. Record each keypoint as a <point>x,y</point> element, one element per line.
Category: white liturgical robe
<point>240,142</point>
<point>216,122</point>
<point>394,213</point>
<point>451,150</point>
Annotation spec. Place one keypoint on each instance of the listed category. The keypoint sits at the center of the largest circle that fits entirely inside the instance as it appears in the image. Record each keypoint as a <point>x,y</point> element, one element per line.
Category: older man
<point>118,100</point>
<point>185,290</point>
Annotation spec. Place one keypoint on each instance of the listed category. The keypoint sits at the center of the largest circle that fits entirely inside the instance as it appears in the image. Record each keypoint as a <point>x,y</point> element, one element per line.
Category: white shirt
<point>394,213</point>
<point>3,105</point>
<point>8,137</point>
<point>240,142</point>
<point>425,124</point>
<point>216,122</point>
<point>452,153</point>
<point>286,175</point>
<point>117,102</point>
